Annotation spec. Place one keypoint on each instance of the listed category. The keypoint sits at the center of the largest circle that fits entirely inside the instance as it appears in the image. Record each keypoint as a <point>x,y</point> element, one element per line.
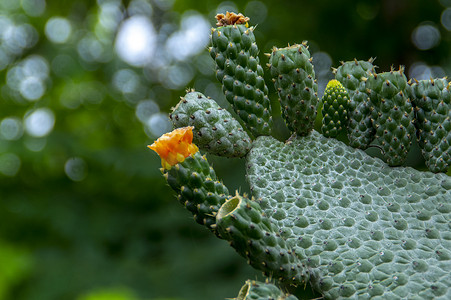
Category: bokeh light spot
<point>145,109</point>
<point>256,11</point>
<point>32,88</point>
<point>420,71</point>
<point>192,38</point>
<point>446,18</point>
<point>40,122</point>
<point>425,37</point>
<point>9,164</point>
<point>58,30</point>
<point>33,8</point>
<point>158,124</point>
<point>76,169</point>
<point>11,128</point>
<point>136,41</point>
<point>35,144</point>
<point>126,81</point>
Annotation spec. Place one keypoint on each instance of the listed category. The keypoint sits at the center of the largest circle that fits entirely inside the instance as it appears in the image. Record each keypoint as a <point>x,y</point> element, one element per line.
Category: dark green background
<point>119,233</point>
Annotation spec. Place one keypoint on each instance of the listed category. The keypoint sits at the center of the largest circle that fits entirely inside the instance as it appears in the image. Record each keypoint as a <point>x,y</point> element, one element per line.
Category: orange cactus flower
<point>175,146</point>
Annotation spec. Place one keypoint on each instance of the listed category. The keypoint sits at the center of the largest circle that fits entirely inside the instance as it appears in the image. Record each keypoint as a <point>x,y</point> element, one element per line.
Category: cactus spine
<point>294,79</point>
<point>238,68</point>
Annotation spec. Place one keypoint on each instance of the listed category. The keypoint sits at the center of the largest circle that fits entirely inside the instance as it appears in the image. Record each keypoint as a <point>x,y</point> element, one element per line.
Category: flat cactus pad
<point>362,229</point>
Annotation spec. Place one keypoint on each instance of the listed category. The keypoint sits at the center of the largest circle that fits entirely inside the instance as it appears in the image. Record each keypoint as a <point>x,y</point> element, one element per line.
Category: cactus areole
<point>321,213</point>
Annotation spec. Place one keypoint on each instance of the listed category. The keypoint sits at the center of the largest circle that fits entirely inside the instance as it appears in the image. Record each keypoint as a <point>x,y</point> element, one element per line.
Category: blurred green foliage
<point>85,213</point>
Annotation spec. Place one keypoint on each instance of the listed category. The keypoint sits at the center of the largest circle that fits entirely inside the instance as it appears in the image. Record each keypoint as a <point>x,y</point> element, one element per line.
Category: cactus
<point>238,68</point>
<point>352,75</point>
<point>335,109</point>
<point>393,115</point>
<point>190,175</point>
<point>254,290</point>
<point>323,213</point>
<point>215,130</point>
<point>432,101</point>
<point>294,79</point>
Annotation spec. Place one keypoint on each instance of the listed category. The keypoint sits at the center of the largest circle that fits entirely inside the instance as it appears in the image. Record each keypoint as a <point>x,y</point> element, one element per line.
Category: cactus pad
<point>335,109</point>
<point>254,290</point>
<point>365,229</point>
<point>393,116</point>
<point>238,68</point>
<point>432,101</point>
<point>294,79</point>
<point>215,130</point>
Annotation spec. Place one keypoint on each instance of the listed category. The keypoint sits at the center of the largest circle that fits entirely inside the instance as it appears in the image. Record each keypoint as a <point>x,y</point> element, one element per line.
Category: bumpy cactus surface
<point>335,109</point>
<point>215,130</point>
<point>254,290</point>
<point>432,101</point>
<point>322,213</point>
<point>238,69</point>
<point>393,115</point>
<point>294,79</point>
<point>352,75</point>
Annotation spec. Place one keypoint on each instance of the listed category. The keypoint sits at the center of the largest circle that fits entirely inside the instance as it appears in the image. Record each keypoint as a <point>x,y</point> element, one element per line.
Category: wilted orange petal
<point>175,146</point>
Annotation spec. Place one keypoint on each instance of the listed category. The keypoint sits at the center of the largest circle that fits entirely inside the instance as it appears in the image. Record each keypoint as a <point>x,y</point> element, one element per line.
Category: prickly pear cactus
<point>335,109</point>
<point>238,68</point>
<point>294,78</point>
<point>322,214</point>
<point>432,101</point>
<point>363,229</point>
<point>353,74</point>
<point>393,116</point>
<point>254,290</point>
<point>215,130</point>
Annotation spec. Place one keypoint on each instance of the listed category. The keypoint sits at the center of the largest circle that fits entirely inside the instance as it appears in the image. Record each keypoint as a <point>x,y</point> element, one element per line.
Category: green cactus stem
<point>294,79</point>
<point>238,68</point>
<point>364,229</point>
<point>335,109</point>
<point>255,290</point>
<point>242,222</point>
<point>198,188</point>
<point>393,116</point>
<point>432,101</point>
<point>352,74</point>
<point>190,175</point>
<point>215,130</point>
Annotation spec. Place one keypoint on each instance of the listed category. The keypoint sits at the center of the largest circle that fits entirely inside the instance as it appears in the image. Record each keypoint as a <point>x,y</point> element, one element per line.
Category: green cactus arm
<point>242,222</point>
<point>215,130</point>
<point>335,109</point>
<point>363,228</point>
<point>432,102</point>
<point>235,52</point>
<point>255,290</point>
<point>294,79</point>
<point>393,117</point>
<point>190,175</point>
<point>353,74</point>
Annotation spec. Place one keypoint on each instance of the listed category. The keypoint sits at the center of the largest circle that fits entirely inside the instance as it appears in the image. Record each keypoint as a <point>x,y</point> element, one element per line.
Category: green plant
<point>322,213</point>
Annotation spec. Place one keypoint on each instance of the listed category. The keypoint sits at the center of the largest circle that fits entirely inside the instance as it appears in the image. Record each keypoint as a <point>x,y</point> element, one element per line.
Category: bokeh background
<point>85,85</point>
